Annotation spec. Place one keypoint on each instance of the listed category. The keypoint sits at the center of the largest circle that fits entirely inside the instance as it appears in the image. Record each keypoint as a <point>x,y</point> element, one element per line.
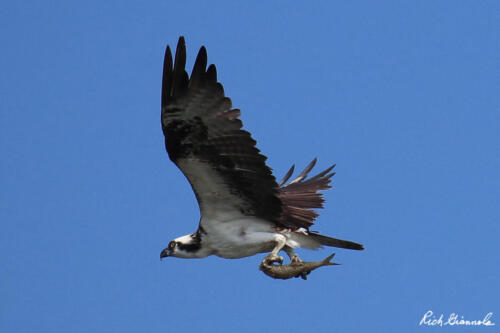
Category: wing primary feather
<point>180,77</point>
<point>287,176</point>
<point>304,173</point>
<point>199,67</point>
<point>212,73</point>
<point>324,174</point>
<point>167,76</point>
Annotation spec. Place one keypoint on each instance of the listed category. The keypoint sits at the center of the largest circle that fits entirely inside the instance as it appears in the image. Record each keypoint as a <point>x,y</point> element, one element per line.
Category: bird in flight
<point>244,210</point>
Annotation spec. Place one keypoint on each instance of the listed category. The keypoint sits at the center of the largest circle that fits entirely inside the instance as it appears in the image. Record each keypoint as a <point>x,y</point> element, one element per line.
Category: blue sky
<point>402,95</point>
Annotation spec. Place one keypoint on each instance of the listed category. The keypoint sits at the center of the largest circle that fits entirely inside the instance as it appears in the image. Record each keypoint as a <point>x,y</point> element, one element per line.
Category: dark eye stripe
<point>192,247</point>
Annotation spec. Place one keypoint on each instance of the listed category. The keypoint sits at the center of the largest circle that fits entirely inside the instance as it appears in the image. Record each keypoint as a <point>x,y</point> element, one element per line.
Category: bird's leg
<point>294,257</point>
<point>273,257</point>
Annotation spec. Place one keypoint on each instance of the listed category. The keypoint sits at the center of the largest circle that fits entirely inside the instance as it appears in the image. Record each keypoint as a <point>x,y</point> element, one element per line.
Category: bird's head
<point>188,246</point>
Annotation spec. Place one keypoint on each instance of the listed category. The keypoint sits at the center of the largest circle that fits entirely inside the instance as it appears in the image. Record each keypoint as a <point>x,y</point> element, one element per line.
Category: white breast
<point>237,238</point>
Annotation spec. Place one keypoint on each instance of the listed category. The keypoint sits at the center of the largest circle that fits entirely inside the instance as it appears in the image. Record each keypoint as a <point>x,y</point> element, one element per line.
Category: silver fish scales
<point>294,269</point>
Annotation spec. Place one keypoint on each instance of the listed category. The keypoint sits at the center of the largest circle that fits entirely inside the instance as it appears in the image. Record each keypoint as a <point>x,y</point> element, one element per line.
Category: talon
<point>271,259</point>
<point>296,260</point>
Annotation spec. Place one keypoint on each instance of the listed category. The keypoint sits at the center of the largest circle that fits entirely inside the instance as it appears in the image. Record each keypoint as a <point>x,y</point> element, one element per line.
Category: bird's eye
<point>171,245</point>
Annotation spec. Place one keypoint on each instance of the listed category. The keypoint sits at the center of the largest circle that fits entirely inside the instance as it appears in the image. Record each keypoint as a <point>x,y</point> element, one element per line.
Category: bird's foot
<point>295,259</point>
<point>272,259</point>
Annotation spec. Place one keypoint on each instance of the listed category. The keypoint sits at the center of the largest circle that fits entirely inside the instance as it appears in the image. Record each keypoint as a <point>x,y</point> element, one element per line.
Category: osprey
<point>244,211</point>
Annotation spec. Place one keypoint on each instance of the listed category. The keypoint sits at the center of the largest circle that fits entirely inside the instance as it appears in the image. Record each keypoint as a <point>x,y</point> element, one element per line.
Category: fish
<point>294,269</point>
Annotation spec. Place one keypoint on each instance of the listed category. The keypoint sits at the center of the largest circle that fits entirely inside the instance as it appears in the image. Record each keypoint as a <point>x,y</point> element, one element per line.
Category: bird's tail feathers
<point>329,241</point>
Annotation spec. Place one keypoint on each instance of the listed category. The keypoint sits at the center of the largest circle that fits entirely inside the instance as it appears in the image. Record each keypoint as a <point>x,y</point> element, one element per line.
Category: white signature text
<point>430,319</point>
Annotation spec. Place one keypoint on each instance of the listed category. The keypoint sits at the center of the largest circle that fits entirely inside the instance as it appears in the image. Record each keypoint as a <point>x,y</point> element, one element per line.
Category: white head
<point>188,246</point>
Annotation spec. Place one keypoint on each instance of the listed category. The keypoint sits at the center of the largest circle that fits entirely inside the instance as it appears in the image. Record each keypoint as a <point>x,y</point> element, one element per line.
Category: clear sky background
<point>403,95</point>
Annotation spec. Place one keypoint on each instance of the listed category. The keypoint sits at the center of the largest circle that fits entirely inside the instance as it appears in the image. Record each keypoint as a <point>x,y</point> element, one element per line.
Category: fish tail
<point>326,261</point>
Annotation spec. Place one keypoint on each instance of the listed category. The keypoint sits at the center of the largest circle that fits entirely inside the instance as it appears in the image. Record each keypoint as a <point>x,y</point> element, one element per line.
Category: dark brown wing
<point>203,137</point>
<point>300,197</point>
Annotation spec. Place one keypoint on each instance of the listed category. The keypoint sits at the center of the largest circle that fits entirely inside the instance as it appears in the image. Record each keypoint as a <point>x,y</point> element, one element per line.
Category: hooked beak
<point>165,253</point>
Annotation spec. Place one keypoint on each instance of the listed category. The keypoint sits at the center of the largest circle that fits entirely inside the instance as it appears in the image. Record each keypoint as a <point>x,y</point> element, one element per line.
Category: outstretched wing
<point>300,196</point>
<point>203,137</point>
